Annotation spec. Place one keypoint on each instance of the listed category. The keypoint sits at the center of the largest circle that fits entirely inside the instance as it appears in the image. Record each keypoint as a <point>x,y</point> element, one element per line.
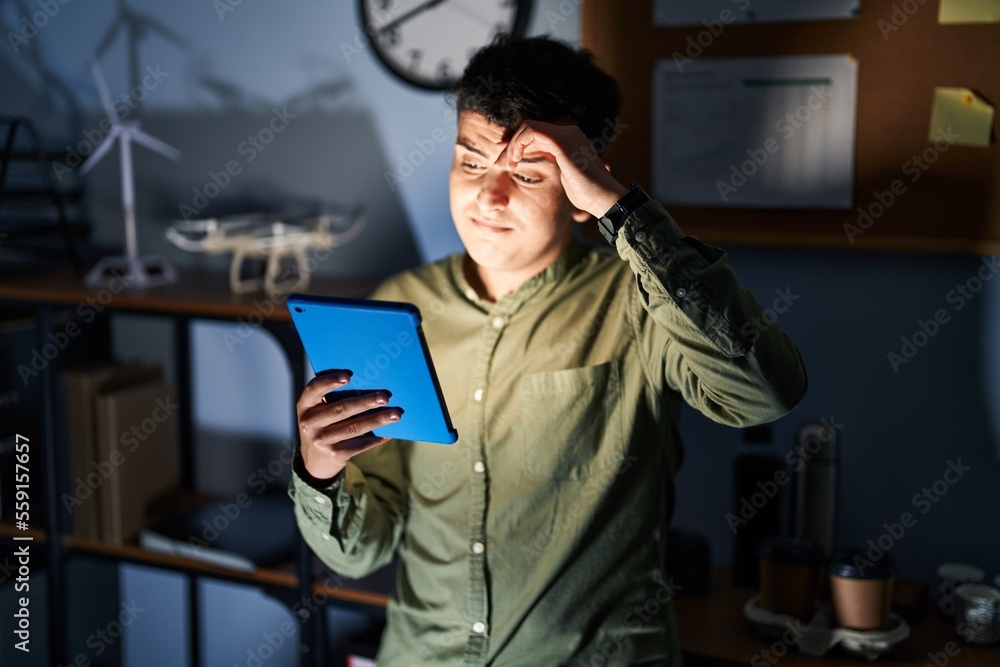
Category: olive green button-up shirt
<point>539,538</point>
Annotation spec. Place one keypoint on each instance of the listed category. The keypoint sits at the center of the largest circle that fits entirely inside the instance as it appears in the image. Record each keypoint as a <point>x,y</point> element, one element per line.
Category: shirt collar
<point>550,275</point>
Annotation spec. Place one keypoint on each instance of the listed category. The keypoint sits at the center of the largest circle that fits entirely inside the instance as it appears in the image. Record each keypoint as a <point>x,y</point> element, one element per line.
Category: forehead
<point>474,128</point>
<point>477,134</point>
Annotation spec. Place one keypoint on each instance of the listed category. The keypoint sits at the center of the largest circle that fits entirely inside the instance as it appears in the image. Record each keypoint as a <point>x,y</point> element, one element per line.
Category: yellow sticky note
<point>959,116</point>
<point>969,11</point>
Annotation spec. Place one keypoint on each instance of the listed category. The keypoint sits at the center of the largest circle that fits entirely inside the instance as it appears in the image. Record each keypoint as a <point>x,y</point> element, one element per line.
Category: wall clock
<point>427,43</point>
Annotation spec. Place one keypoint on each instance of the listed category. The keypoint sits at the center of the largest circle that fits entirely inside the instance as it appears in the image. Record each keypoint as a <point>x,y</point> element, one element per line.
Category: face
<point>513,223</point>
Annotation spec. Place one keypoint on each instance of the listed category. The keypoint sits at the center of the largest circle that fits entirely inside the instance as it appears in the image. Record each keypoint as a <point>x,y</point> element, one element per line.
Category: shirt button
<point>478,466</point>
<point>471,294</point>
<point>319,500</point>
<point>498,322</point>
<point>325,536</point>
<point>478,547</point>
<point>681,292</point>
<point>479,627</point>
<point>478,394</point>
<point>640,236</point>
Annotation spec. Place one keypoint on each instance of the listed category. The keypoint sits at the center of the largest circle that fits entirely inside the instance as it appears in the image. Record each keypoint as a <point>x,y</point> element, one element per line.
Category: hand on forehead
<point>492,142</point>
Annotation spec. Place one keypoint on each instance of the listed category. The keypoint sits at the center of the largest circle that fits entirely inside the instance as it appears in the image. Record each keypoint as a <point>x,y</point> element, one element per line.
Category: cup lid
<point>791,551</point>
<point>977,592</point>
<point>858,563</point>
<point>960,572</point>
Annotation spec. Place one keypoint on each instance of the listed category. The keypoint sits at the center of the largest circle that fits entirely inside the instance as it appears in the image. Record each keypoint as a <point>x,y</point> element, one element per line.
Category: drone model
<point>266,237</point>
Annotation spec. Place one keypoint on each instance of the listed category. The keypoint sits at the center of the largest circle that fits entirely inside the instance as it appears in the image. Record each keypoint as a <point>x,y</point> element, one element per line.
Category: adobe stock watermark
<point>562,13</point>
<point>569,519</point>
<point>431,482</point>
<point>713,29</point>
<point>927,329</point>
<point>586,154</point>
<point>761,323</point>
<point>786,126</point>
<point>9,399</point>
<point>796,458</point>
<point>664,593</point>
<point>915,167</point>
<point>249,149</point>
<point>102,639</point>
<point>230,512</point>
<point>269,644</point>
<point>130,441</point>
<point>381,17</point>
<point>31,24</point>
<point>901,13</point>
<point>123,105</point>
<point>769,655</point>
<point>943,658</point>
<point>223,7</point>
<point>407,165</point>
<point>582,334</point>
<point>286,631</point>
<point>923,501</point>
<point>57,341</point>
<point>583,156</point>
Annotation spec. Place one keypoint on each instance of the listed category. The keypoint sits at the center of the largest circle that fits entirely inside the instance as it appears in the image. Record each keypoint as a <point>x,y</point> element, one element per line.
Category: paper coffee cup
<point>789,576</point>
<point>861,589</point>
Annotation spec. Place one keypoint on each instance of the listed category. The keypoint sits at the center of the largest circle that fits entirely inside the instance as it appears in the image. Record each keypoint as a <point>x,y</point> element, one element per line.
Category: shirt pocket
<point>571,421</point>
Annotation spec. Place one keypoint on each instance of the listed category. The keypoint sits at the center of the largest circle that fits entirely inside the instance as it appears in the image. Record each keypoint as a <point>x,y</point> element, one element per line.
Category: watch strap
<point>612,221</point>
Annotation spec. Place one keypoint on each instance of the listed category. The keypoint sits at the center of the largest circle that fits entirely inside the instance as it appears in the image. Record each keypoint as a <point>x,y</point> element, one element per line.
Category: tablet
<point>383,344</point>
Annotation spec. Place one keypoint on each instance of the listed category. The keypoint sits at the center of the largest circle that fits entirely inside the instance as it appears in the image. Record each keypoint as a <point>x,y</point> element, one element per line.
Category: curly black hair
<point>516,79</point>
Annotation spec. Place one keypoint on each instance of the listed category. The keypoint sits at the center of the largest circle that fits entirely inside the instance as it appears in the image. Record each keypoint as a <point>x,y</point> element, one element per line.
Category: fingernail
<point>381,399</point>
<point>394,416</point>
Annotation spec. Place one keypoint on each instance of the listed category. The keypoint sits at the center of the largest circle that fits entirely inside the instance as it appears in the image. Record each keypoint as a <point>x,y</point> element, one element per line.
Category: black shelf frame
<point>312,637</point>
<point>47,193</point>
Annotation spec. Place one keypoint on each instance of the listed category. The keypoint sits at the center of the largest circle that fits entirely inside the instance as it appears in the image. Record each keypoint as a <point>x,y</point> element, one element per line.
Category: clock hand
<point>410,14</point>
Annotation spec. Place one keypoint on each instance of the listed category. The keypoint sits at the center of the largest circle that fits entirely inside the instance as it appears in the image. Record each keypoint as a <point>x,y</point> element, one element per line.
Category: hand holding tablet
<point>372,364</point>
<point>382,344</point>
<point>331,432</point>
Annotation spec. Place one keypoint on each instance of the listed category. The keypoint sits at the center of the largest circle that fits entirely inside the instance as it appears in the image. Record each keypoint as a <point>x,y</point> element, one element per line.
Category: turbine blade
<point>154,144</point>
<point>169,33</point>
<point>109,36</point>
<point>102,88</point>
<point>100,152</point>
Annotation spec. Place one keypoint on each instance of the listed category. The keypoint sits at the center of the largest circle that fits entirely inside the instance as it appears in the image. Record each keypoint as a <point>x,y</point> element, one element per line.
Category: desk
<point>197,295</point>
<point>714,633</point>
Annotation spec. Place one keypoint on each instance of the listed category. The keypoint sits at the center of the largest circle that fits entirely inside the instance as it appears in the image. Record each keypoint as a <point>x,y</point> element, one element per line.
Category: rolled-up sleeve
<point>700,332</point>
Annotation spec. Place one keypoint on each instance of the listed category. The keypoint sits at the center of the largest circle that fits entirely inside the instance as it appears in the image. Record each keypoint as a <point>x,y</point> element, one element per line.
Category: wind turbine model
<point>135,27</point>
<point>134,271</point>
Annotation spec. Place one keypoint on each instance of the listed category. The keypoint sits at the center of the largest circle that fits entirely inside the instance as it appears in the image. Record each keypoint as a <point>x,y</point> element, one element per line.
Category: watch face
<point>427,43</point>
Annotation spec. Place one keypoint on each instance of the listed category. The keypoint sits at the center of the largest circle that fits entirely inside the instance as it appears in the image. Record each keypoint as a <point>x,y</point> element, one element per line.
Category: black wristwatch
<point>612,221</point>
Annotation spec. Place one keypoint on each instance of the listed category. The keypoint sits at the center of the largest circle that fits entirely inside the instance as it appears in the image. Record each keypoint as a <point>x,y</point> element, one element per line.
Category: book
<point>137,444</point>
<point>83,384</point>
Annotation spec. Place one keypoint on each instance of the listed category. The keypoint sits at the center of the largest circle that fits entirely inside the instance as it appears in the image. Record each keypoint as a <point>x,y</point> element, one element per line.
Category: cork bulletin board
<point>951,206</point>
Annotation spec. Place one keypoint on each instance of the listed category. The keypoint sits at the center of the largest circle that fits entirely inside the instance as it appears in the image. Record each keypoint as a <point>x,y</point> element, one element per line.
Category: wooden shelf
<point>204,293</point>
<point>713,630</point>
<point>133,553</point>
<point>58,297</point>
<point>9,530</point>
